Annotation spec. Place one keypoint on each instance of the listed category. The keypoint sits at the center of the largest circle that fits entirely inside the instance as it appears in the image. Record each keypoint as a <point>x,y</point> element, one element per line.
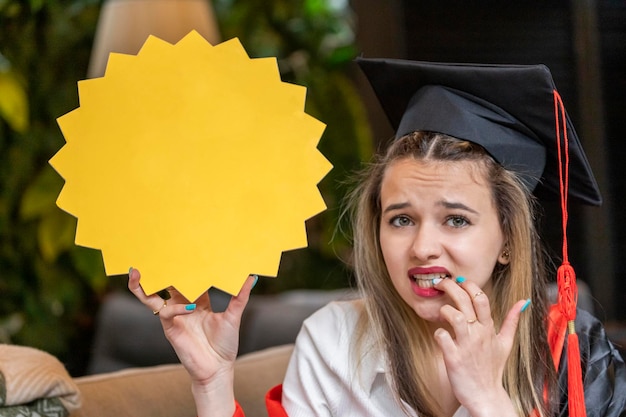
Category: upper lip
<point>428,273</point>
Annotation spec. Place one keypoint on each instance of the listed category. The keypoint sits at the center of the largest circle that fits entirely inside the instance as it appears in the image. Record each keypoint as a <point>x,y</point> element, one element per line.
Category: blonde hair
<point>404,336</point>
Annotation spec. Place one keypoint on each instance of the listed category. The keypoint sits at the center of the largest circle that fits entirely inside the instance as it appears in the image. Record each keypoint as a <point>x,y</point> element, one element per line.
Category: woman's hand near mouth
<point>474,353</point>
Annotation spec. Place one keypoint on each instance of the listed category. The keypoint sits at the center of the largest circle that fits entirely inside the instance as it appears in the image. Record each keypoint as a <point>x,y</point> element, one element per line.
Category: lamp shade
<point>124,26</point>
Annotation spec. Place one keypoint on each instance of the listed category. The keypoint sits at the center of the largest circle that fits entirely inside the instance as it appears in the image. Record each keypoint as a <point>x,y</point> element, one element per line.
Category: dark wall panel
<point>612,31</point>
<point>532,32</point>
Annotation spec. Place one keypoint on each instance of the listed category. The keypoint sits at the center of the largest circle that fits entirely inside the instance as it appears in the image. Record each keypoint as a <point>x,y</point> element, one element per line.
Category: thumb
<point>509,326</point>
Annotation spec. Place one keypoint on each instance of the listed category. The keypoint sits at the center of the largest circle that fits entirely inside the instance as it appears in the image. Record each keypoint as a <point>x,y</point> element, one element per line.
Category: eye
<point>457,221</point>
<point>400,221</point>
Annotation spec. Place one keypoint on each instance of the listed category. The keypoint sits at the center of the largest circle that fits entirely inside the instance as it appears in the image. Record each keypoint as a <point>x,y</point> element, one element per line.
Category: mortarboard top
<point>507,109</point>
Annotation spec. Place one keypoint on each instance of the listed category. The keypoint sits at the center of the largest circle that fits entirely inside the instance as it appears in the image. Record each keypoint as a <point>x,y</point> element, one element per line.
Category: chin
<point>430,318</point>
<point>429,313</point>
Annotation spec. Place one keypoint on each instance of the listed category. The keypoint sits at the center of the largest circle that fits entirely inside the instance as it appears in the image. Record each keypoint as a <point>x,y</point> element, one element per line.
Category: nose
<point>426,243</point>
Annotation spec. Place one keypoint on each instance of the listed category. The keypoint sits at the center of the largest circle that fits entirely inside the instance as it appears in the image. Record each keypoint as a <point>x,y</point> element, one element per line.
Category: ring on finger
<point>156,312</point>
<point>470,321</point>
<point>478,294</point>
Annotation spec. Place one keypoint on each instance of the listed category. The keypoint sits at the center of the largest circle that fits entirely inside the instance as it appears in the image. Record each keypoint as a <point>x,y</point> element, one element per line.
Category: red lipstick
<point>422,280</point>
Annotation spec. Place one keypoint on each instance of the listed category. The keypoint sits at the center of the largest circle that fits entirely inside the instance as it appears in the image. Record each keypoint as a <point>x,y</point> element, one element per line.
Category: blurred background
<point>51,290</point>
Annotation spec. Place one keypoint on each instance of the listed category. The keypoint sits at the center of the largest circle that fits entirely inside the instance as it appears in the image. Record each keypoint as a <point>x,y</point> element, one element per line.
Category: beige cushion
<point>156,391</point>
<point>36,380</point>
<point>165,390</point>
<point>256,373</point>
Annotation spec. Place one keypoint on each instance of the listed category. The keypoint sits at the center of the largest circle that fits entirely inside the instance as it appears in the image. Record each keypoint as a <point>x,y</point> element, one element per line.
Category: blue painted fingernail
<point>436,281</point>
<point>525,306</point>
<point>190,307</point>
<point>256,279</point>
<point>130,270</point>
<point>460,280</point>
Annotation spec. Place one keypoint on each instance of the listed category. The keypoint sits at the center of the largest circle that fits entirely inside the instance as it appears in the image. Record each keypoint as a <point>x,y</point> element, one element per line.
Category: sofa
<point>165,390</point>
<point>34,383</point>
<point>133,370</point>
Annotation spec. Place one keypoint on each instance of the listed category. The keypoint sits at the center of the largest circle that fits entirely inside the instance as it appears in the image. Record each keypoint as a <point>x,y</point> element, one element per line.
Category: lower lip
<point>425,292</point>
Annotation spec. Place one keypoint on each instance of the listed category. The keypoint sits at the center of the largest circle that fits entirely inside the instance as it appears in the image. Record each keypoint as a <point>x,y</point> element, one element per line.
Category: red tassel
<point>566,278</point>
<point>568,297</point>
<point>568,291</point>
<point>575,391</point>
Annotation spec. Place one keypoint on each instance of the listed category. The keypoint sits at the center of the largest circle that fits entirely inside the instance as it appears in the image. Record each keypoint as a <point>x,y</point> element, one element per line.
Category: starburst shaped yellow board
<point>193,163</point>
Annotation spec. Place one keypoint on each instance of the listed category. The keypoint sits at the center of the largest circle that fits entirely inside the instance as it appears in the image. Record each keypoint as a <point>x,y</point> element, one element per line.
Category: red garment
<point>557,327</point>
<point>272,403</point>
<point>238,411</point>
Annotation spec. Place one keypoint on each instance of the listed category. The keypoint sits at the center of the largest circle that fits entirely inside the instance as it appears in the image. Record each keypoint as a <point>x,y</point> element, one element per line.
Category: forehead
<point>465,173</point>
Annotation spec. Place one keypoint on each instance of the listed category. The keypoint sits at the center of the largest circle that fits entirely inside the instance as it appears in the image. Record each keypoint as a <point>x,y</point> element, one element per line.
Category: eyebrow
<point>452,205</point>
<point>397,206</point>
<point>443,203</point>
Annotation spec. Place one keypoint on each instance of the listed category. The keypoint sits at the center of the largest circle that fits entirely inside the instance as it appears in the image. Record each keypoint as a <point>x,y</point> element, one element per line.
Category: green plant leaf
<point>55,234</point>
<point>13,102</point>
<point>40,196</point>
<point>36,5</point>
<point>89,263</point>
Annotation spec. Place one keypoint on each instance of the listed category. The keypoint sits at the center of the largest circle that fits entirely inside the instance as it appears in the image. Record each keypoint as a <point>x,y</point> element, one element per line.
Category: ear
<point>505,255</point>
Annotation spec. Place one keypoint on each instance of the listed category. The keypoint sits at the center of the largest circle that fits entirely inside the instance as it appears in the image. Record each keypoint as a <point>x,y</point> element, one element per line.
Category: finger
<point>133,281</point>
<point>459,297</point>
<point>509,326</point>
<point>238,303</point>
<point>480,302</point>
<point>176,297</point>
<point>445,341</point>
<point>154,301</point>
<point>135,286</point>
<point>169,311</point>
<point>460,323</point>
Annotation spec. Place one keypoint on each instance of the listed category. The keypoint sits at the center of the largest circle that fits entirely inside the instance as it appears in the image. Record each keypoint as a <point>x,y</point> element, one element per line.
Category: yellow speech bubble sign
<point>193,163</point>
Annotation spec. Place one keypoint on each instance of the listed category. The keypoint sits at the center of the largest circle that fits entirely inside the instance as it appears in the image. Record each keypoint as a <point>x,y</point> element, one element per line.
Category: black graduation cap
<point>507,109</point>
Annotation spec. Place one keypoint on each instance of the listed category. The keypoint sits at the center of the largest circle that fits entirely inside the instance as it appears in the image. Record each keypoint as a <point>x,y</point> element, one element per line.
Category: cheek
<point>478,256</point>
<point>397,262</point>
<point>391,244</point>
<point>390,250</point>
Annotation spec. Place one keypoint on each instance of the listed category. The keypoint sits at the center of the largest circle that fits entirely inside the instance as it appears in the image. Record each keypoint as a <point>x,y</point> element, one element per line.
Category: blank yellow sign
<point>192,163</point>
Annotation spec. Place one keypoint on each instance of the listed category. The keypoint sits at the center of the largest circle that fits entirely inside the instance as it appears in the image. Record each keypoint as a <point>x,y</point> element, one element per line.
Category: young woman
<point>453,318</point>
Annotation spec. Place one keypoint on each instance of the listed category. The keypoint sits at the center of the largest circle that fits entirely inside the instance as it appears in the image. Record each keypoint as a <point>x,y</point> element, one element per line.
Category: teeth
<point>426,280</point>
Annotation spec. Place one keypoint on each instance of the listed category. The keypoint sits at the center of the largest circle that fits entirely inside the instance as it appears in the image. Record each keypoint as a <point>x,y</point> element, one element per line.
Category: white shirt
<point>323,378</point>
